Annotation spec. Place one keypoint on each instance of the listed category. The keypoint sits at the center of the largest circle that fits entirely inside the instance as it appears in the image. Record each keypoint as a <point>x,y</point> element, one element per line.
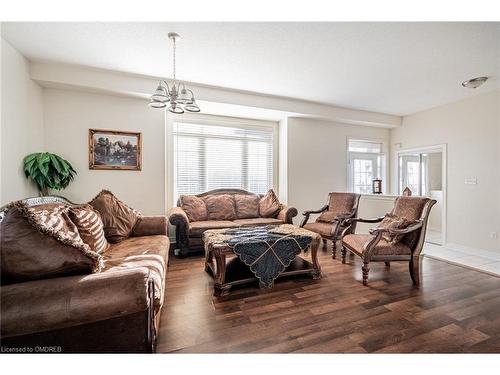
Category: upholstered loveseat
<point>114,310</point>
<point>223,208</point>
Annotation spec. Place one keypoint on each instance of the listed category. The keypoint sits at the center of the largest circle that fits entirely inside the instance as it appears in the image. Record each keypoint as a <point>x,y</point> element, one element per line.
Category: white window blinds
<point>210,157</point>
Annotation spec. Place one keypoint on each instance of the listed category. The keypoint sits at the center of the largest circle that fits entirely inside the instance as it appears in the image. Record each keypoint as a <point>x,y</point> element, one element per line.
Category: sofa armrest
<point>177,216</point>
<point>286,214</point>
<point>50,304</point>
<point>151,226</point>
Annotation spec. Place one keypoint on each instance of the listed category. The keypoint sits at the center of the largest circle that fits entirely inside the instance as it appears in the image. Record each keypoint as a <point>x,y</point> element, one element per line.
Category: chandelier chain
<point>174,60</point>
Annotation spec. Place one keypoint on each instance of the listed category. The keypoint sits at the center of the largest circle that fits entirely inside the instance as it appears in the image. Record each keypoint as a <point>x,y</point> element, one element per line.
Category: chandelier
<point>176,96</point>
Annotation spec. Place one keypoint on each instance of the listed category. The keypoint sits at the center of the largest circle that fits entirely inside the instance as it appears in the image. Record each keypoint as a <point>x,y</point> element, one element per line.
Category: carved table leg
<point>334,249</point>
<point>314,257</point>
<point>325,243</point>
<point>365,270</point>
<point>220,275</point>
<point>209,260</point>
<point>387,264</point>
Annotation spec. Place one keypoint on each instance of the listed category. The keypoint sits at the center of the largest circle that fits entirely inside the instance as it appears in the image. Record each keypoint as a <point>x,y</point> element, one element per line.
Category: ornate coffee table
<point>227,269</point>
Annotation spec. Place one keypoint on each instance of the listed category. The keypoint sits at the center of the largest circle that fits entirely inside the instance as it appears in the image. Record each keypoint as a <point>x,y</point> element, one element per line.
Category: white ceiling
<point>394,68</point>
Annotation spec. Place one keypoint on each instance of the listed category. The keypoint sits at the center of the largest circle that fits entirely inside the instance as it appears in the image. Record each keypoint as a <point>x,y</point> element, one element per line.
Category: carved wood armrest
<point>406,230</point>
<point>360,220</point>
<point>324,208</point>
<point>306,214</point>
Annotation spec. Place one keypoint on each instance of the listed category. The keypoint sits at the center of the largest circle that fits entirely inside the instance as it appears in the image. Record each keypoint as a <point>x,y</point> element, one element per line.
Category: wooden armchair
<point>374,247</point>
<point>330,223</point>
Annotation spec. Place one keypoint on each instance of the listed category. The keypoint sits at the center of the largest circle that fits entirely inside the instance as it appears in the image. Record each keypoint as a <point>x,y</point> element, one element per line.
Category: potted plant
<point>49,171</point>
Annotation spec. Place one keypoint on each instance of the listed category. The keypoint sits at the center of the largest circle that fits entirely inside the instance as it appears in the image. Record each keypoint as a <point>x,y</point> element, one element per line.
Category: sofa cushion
<point>195,207</point>
<point>197,228</point>
<point>269,205</point>
<point>325,229</point>
<point>357,241</point>
<point>220,207</point>
<point>119,219</point>
<point>247,205</point>
<point>53,248</point>
<point>90,227</point>
<point>57,303</point>
<point>338,204</point>
<point>150,252</point>
<point>257,221</point>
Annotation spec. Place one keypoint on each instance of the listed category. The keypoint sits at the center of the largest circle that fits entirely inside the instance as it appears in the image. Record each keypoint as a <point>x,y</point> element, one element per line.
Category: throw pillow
<point>269,205</point>
<point>391,221</point>
<point>247,206</point>
<point>220,207</point>
<point>195,207</point>
<point>119,219</point>
<point>41,242</point>
<point>90,227</point>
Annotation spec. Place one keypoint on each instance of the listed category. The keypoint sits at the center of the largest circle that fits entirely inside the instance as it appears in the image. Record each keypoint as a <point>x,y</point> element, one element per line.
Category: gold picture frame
<point>115,150</point>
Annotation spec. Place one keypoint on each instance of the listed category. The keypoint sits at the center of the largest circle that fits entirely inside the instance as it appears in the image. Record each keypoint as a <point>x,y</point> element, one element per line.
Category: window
<point>366,163</point>
<point>212,156</point>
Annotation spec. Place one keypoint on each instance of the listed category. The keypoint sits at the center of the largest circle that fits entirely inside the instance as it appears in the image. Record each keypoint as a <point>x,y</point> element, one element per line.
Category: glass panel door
<point>423,174</point>
<point>364,169</point>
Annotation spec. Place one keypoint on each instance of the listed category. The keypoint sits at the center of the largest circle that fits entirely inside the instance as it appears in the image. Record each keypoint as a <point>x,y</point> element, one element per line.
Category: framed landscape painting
<point>119,150</point>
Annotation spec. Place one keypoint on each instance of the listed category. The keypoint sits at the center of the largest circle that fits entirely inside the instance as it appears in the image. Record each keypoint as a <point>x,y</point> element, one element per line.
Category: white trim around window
<point>202,130</point>
<point>378,161</point>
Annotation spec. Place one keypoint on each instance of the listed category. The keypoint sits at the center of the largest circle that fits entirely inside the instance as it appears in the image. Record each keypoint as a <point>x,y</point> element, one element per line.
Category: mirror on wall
<point>422,172</point>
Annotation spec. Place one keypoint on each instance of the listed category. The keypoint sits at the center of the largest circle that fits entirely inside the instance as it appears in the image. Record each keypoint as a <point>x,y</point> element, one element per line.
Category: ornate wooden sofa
<point>217,209</point>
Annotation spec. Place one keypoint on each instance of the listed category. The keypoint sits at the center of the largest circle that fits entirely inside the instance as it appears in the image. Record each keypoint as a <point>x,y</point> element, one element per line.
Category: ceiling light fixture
<point>474,83</point>
<point>177,96</point>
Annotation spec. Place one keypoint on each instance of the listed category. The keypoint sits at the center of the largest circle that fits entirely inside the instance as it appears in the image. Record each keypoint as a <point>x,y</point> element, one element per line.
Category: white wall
<point>21,124</point>
<point>317,159</point>
<point>471,129</point>
<point>68,116</point>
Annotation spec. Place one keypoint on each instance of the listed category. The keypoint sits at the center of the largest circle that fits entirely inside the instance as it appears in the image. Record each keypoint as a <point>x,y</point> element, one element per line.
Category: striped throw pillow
<point>90,226</point>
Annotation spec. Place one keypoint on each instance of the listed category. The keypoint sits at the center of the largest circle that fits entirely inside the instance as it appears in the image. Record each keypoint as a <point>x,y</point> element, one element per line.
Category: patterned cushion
<point>90,227</point>
<point>119,219</point>
<point>257,221</point>
<point>195,207</point>
<point>220,207</point>
<point>269,205</point>
<point>325,229</point>
<point>356,242</point>
<point>391,221</point>
<point>338,204</point>
<point>247,205</point>
<point>197,228</point>
<point>42,242</point>
<point>409,208</point>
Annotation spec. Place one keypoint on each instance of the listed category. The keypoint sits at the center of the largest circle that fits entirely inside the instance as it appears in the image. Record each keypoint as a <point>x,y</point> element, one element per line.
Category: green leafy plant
<point>48,171</point>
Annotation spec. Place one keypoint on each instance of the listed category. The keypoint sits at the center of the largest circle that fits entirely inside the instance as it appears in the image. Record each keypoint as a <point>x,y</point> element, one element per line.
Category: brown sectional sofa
<point>115,310</point>
<point>217,209</point>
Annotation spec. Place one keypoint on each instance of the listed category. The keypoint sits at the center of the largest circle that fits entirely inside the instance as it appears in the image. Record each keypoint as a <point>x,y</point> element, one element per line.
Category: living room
<point>340,196</point>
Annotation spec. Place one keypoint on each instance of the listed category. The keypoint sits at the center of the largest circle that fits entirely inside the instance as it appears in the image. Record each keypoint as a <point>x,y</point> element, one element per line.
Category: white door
<point>363,170</point>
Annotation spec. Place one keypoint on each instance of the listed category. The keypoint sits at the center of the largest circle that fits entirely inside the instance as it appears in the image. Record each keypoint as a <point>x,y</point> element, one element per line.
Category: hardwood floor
<point>456,310</point>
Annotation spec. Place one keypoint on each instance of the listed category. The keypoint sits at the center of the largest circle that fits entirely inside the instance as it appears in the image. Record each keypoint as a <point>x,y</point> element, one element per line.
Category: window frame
<point>227,121</point>
<point>383,166</point>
